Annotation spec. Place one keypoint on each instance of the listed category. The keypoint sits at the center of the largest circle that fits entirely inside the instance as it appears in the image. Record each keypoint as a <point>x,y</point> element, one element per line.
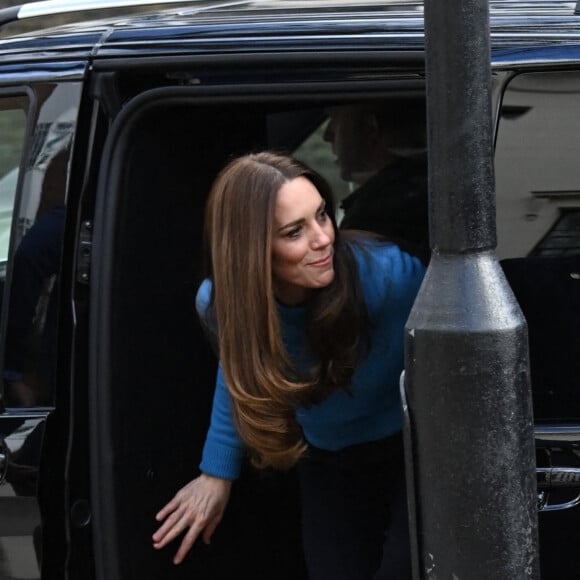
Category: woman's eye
<point>293,233</point>
<point>323,215</point>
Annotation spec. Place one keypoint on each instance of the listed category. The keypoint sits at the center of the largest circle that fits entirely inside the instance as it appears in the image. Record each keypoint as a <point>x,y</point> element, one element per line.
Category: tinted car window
<point>537,171</point>
<point>538,218</point>
<point>30,312</point>
<point>18,535</point>
<point>12,129</point>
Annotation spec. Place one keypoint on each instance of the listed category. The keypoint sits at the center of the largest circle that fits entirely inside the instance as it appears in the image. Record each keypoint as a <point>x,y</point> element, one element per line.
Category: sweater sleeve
<point>390,278</point>
<point>223,450</point>
<point>407,275</point>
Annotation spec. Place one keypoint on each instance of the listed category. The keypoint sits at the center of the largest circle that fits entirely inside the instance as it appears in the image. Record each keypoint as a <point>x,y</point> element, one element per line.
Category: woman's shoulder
<point>206,316</point>
<point>385,270</point>
<point>203,297</point>
<point>376,256</point>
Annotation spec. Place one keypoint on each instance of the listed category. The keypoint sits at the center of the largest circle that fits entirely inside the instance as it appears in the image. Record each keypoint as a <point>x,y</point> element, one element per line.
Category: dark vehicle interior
<point>158,396</point>
<point>153,405</point>
<point>153,376</point>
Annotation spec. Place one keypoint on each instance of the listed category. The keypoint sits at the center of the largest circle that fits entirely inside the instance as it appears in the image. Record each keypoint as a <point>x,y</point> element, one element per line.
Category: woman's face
<point>302,244</point>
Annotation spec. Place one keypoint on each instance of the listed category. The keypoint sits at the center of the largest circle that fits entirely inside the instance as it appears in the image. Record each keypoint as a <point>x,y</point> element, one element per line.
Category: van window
<point>32,258</point>
<point>538,219</point>
<point>536,164</point>
<point>13,120</point>
<point>12,129</point>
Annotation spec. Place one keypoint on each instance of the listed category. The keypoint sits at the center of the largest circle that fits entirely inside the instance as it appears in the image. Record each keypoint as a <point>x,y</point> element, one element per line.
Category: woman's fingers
<point>198,506</point>
<point>165,511</point>
<point>187,543</point>
<point>170,531</point>
<point>210,529</point>
<point>161,535</point>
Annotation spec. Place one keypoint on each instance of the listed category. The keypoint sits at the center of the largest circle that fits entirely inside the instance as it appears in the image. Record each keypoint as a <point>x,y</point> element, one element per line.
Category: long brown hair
<point>264,385</point>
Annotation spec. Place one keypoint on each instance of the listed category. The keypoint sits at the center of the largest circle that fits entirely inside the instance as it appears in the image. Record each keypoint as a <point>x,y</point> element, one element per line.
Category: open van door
<point>37,122</point>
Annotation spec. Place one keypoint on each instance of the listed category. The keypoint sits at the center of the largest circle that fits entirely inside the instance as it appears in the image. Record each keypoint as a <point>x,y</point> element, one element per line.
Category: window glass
<point>538,218</point>
<point>30,309</point>
<point>12,129</point>
<point>537,170</point>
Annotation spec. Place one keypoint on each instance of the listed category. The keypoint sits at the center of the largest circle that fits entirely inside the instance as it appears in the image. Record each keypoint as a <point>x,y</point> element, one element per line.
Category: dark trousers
<point>354,512</point>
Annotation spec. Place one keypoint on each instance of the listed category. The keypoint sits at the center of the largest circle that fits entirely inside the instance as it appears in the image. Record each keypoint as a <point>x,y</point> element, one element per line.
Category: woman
<point>311,350</point>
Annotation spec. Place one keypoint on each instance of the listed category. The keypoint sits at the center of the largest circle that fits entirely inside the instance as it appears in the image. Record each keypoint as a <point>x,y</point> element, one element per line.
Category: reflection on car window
<point>34,261</point>
<point>12,129</point>
<point>31,331</point>
<point>537,171</point>
<point>538,220</point>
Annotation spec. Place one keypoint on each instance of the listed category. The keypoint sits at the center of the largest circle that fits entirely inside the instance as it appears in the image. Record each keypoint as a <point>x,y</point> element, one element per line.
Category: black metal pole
<point>470,445</point>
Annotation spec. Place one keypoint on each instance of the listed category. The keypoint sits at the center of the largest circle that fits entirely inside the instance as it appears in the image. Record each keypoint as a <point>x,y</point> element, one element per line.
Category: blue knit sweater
<point>390,280</point>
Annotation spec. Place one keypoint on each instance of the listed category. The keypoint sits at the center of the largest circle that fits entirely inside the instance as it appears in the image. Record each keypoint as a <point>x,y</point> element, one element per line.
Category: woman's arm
<point>200,504</point>
<point>223,451</point>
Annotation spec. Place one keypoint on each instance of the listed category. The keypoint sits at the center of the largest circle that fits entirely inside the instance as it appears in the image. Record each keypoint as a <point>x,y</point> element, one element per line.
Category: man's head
<point>366,136</point>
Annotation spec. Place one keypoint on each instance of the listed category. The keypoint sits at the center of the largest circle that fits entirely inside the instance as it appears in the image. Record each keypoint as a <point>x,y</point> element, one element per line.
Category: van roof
<point>260,26</point>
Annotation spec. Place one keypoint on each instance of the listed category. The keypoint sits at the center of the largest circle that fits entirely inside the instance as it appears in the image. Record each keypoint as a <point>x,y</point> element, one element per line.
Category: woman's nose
<point>320,238</point>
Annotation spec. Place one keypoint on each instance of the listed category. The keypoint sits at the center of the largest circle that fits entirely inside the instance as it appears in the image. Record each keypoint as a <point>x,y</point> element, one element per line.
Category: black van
<point>111,133</point>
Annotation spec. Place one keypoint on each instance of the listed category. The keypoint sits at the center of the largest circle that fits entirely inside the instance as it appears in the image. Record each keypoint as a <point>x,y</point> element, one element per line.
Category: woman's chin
<point>325,279</point>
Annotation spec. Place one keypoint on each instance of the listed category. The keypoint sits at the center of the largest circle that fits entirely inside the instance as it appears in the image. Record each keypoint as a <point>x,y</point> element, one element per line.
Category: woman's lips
<point>323,262</point>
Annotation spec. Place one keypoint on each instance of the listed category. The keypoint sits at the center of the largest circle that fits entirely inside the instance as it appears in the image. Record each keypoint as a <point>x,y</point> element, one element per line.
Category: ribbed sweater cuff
<point>221,460</point>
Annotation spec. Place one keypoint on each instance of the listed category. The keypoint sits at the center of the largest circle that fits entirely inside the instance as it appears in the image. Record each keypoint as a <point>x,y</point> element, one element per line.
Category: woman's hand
<point>199,506</point>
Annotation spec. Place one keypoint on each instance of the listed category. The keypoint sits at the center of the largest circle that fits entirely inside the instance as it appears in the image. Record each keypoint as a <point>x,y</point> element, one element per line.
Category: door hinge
<point>85,252</point>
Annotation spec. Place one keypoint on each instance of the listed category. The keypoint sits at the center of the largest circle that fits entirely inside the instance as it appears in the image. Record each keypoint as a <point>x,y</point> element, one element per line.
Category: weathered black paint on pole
<point>467,367</point>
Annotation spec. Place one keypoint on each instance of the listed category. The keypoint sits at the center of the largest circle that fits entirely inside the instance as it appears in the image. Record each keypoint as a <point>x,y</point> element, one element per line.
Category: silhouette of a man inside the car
<point>381,148</point>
